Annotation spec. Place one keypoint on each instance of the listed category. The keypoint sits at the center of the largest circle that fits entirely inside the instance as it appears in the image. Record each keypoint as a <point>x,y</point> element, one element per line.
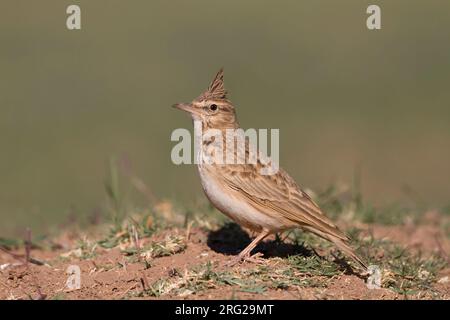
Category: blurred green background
<point>345,98</point>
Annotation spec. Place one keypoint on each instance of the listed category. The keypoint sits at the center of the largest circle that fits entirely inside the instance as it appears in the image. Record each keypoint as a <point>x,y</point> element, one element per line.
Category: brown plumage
<point>264,203</point>
<point>216,90</point>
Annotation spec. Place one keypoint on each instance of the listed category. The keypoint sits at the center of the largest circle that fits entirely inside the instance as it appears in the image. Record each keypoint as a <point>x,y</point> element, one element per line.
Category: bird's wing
<point>276,195</point>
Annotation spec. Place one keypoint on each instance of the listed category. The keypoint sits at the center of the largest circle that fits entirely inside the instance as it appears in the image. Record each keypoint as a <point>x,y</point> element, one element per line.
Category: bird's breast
<point>234,205</point>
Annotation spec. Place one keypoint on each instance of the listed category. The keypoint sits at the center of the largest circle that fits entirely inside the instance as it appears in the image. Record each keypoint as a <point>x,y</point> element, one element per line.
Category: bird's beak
<point>186,107</point>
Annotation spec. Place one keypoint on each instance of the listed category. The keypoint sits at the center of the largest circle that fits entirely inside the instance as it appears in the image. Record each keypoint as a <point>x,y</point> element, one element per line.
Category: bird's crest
<point>216,90</point>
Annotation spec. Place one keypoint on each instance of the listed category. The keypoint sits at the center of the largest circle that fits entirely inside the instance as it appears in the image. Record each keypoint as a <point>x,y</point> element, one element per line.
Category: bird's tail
<point>348,251</point>
<point>339,240</point>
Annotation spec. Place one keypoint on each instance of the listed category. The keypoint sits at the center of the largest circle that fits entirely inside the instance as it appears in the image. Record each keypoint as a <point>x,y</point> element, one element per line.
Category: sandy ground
<point>111,274</point>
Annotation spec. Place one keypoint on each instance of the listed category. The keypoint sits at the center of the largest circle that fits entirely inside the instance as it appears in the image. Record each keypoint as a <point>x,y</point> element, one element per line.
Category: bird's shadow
<point>230,239</point>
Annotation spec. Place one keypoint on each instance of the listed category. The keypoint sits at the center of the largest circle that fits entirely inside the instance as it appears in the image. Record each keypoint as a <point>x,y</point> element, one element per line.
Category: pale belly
<point>236,208</point>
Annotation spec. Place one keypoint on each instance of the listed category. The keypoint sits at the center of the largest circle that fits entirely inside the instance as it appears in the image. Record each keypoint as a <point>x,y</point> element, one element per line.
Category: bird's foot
<point>234,261</point>
<point>256,258</point>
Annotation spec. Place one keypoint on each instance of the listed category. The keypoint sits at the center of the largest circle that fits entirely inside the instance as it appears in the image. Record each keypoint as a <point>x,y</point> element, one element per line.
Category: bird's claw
<point>256,258</point>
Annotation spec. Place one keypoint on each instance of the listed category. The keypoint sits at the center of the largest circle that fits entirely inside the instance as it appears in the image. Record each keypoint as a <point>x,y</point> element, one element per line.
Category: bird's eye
<point>213,107</point>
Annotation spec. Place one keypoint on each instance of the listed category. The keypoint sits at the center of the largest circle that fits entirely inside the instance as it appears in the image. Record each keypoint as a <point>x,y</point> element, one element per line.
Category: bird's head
<point>212,107</point>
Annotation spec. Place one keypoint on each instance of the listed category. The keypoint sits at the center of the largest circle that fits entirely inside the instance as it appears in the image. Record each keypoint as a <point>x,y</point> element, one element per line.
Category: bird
<point>263,203</point>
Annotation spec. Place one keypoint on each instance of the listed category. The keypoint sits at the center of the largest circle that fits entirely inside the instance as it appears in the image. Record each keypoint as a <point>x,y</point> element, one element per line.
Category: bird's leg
<point>245,254</point>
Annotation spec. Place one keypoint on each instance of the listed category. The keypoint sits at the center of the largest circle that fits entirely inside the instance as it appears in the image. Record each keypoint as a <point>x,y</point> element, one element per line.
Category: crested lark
<point>266,204</point>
